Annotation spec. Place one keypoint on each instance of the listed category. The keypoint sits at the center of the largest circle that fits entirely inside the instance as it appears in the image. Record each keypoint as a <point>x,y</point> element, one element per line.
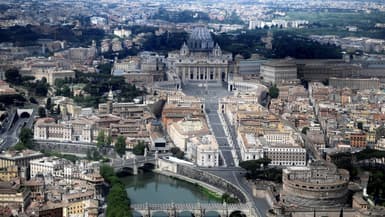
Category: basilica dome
<point>200,40</point>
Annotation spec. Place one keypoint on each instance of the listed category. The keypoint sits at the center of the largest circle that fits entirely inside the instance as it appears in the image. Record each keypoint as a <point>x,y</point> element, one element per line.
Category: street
<point>230,173</point>
<point>10,134</point>
<point>237,177</point>
<point>211,97</point>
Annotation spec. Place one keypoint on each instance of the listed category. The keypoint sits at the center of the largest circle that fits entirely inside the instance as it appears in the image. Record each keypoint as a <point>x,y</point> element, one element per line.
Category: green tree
<point>58,110</point>
<point>264,161</point>
<point>369,153</point>
<point>66,91</point>
<point>360,125</point>
<point>70,157</point>
<point>287,44</point>
<point>41,87</point>
<point>48,104</point>
<point>304,130</point>
<point>108,140</point>
<point>176,152</point>
<point>120,145</point>
<point>19,146</point>
<point>100,139</point>
<point>13,76</point>
<point>105,68</point>
<point>106,171</point>
<point>27,78</point>
<point>228,199</point>
<point>253,165</point>
<point>41,112</point>
<point>118,203</point>
<point>33,100</point>
<point>94,155</point>
<point>180,155</point>
<point>16,99</point>
<point>89,154</point>
<point>59,82</point>
<point>139,148</point>
<point>274,91</point>
<point>26,137</point>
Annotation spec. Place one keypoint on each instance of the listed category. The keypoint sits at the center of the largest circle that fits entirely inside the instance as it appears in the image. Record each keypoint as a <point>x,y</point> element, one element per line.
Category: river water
<point>155,188</point>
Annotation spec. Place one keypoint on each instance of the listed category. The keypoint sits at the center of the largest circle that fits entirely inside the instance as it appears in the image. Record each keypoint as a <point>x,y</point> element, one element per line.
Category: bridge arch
<point>198,209</point>
<point>126,171</point>
<point>212,214</point>
<point>185,213</point>
<point>148,166</point>
<point>132,166</point>
<point>136,213</point>
<point>159,214</point>
<point>237,213</point>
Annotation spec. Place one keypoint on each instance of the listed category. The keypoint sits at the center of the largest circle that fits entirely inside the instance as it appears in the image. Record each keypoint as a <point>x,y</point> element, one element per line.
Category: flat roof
<point>15,155</point>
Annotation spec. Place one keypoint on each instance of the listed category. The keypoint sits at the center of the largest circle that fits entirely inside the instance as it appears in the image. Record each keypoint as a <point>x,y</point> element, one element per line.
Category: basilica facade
<point>200,59</point>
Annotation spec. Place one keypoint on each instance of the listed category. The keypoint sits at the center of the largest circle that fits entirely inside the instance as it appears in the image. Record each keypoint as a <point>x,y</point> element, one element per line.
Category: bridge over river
<point>228,181</point>
<point>197,209</point>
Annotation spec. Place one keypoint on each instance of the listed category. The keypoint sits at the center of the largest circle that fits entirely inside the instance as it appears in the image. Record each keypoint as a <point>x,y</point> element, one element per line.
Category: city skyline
<point>192,108</point>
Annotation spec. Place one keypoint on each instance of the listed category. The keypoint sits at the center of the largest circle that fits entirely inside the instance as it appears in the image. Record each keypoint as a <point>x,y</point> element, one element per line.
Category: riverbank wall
<point>211,188</point>
<point>191,174</point>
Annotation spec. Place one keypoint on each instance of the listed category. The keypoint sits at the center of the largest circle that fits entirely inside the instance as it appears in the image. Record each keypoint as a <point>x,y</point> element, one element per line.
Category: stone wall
<point>165,165</point>
<point>211,180</point>
<point>355,83</point>
<point>326,212</point>
<point>71,148</point>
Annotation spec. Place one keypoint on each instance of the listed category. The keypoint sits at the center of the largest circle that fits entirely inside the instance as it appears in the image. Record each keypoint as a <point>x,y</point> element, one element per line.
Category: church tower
<point>217,52</point>
<point>110,96</point>
<point>184,51</point>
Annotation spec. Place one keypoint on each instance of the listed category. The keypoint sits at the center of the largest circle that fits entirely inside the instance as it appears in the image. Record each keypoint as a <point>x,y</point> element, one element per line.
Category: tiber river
<point>154,188</point>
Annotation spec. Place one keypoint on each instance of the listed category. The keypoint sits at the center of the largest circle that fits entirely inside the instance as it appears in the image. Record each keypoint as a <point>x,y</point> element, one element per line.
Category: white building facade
<point>200,60</point>
<point>279,147</point>
<point>203,151</point>
<point>279,71</point>
<point>47,166</point>
<point>77,130</point>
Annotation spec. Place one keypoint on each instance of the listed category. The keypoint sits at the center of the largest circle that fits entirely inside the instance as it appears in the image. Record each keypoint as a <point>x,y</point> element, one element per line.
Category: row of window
<point>320,187</point>
<point>285,150</point>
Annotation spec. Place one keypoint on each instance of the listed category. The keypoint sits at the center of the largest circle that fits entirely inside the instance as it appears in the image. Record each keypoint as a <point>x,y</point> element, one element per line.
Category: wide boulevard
<point>235,175</point>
